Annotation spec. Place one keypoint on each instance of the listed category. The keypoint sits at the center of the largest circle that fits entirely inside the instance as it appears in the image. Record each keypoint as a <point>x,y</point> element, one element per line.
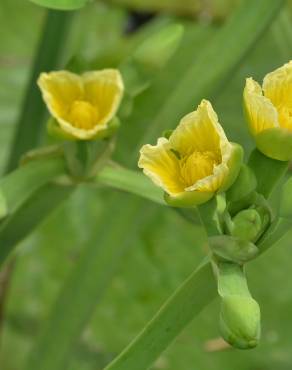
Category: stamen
<point>197,166</point>
<point>83,114</point>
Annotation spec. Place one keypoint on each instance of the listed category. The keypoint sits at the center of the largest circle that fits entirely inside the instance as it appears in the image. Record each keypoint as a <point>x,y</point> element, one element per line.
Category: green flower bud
<point>240,321</point>
<point>247,225</point>
<point>155,52</point>
<point>228,248</point>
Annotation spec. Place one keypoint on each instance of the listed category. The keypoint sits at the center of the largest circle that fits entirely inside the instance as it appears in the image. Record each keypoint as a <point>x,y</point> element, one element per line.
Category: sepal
<point>275,143</point>
<point>234,164</point>
<point>232,249</point>
<point>188,199</point>
<point>54,130</point>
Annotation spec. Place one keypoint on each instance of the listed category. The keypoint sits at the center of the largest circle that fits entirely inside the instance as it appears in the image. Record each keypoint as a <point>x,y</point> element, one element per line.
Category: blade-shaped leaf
<point>30,214</point>
<point>197,291</point>
<point>22,182</point>
<point>51,46</point>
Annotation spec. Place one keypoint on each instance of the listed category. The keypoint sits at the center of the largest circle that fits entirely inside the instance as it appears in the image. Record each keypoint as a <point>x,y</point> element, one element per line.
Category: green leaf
<point>86,285</point>
<point>33,112</point>
<point>30,214</point>
<point>197,291</point>
<point>61,4</point>
<point>22,182</point>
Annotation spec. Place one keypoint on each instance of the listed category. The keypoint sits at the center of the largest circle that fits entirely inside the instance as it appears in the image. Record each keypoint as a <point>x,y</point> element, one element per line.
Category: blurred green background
<point>166,248</point>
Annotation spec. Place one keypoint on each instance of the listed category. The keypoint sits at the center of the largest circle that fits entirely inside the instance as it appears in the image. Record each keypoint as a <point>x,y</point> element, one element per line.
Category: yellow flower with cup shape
<point>269,112</point>
<point>195,162</point>
<point>83,106</point>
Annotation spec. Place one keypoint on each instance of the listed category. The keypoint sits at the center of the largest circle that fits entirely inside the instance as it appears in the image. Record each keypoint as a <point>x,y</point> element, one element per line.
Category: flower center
<point>83,114</point>
<point>197,166</point>
<point>285,117</point>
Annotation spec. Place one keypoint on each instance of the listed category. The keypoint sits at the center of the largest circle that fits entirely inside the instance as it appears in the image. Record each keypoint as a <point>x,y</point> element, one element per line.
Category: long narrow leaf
<point>33,111</point>
<point>22,182</point>
<point>30,214</point>
<point>188,301</point>
<point>85,286</point>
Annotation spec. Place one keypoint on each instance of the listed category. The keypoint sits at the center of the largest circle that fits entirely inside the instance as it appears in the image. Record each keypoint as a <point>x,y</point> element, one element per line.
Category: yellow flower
<point>83,105</point>
<point>269,112</point>
<point>195,162</point>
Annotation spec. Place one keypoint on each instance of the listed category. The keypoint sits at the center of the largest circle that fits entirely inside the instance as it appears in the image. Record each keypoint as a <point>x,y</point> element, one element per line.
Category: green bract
<point>55,131</point>
<point>228,248</point>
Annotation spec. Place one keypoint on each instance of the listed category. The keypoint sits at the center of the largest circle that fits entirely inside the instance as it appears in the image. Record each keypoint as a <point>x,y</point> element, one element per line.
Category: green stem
<point>187,302</point>
<point>130,181</point>
<point>51,46</point>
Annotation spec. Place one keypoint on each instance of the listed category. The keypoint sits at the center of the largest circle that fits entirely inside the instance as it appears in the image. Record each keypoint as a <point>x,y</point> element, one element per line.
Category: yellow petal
<point>277,86</point>
<point>60,89</point>
<point>261,113</point>
<point>161,165</point>
<point>199,131</point>
<point>213,182</point>
<point>82,105</point>
<point>104,89</point>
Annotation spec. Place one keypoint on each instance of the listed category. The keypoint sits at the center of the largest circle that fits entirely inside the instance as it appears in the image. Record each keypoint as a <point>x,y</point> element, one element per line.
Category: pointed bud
<point>240,321</point>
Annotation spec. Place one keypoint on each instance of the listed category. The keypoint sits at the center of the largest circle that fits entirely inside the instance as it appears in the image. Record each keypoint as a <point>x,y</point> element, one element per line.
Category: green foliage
<point>163,244</point>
